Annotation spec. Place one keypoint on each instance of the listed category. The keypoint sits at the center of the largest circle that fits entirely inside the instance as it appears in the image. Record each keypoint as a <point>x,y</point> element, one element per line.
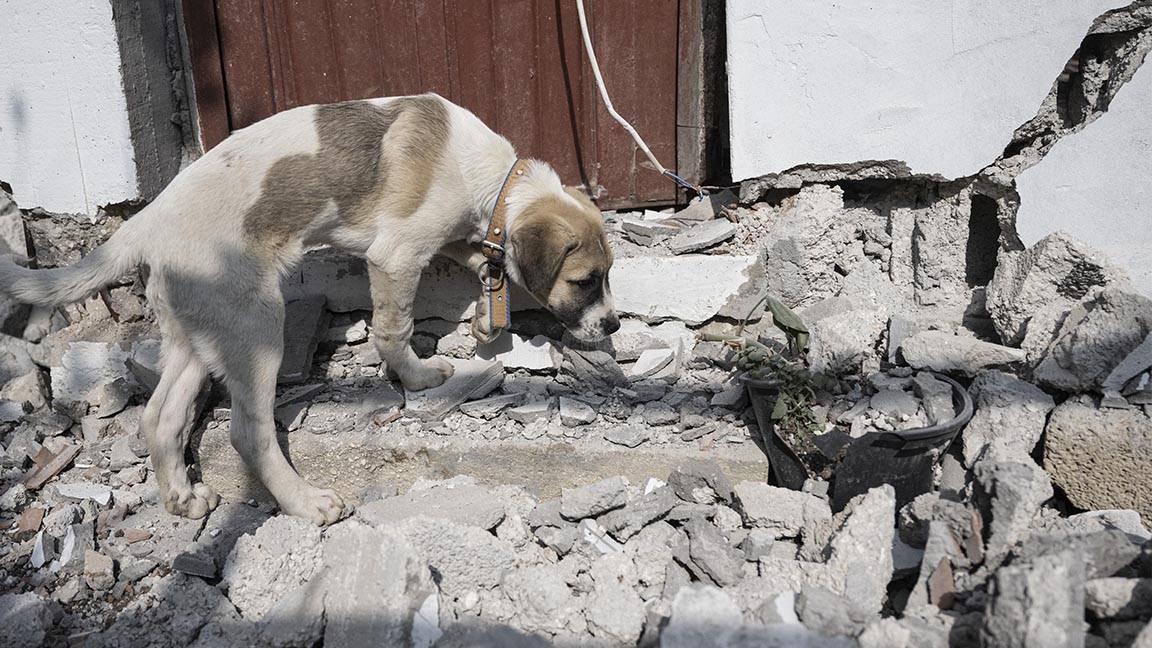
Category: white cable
<point>604,92</point>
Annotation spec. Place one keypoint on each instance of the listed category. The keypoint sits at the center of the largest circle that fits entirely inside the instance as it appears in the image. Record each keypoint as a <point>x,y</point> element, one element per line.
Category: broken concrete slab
<point>650,362</point>
<point>1100,456</point>
<point>472,380</point>
<point>783,511</point>
<point>458,500</point>
<point>712,558</point>
<point>574,413</point>
<point>1096,336</point>
<point>690,288</point>
<point>1037,604</point>
<point>1052,276</point>
<point>85,366</point>
<point>281,556</point>
<point>1009,496</point>
<point>647,232</point>
<point>593,499</point>
<point>305,323</point>
<point>1119,598</point>
<point>629,436</point>
<point>489,408</point>
<point>702,236</point>
<point>700,482</point>
<point>516,352</point>
<point>936,397</point>
<point>623,523</point>
<point>1009,419</point>
<point>845,342</point>
<point>944,352</point>
<point>187,608</point>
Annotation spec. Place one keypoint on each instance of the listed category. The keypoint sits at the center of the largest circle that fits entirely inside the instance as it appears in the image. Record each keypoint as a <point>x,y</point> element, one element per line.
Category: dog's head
<point>562,258</point>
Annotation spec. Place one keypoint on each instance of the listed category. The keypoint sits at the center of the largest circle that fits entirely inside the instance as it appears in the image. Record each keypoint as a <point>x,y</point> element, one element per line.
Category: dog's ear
<point>538,249</point>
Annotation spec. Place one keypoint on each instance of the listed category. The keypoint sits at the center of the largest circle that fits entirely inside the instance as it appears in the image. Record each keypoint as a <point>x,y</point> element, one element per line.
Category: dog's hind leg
<point>165,425</point>
<point>251,357</point>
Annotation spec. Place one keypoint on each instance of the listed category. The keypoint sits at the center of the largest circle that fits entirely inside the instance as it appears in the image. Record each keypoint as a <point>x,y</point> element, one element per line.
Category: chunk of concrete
<point>24,620</point>
<point>543,602</point>
<point>700,482</point>
<point>629,436</point>
<point>471,380</point>
<point>936,397</point>
<point>516,352</point>
<point>1100,457</point>
<point>1009,419</point>
<point>1009,496</point>
<point>711,555</point>
<point>1052,276</point>
<point>1119,599</point>
<point>690,288</point>
<point>593,499</point>
<point>947,353</point>
<point>85,366</point>
<point>531,412</point>
<point>305,323</point>
<point>1096,336</point>
<point>623,523</point>
<point>280,557</point>
<point>845,341</point>
<point>783,511</point>
<point>702,236</point>
<point>574,413</point>
<point>650,362</point>
<point>1036,604</point>
<point>894,402</point>
<point>489,408</point>
<point>458,499</point>
<point>375,582</point>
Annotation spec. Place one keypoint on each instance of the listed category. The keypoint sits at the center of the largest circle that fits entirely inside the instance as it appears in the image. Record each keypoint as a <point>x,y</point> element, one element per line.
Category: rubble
<point>689,288</point>
<point>471,380</point>
<point>1099,456</point>
<point>1008,421</point>
<point>944,352</point>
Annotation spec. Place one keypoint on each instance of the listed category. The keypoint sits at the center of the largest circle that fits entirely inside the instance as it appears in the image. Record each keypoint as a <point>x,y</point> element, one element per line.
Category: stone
<point>629,436</point>
<point>615,612</point>
<point>593,367</point>
<point>1009,496</point>
<point>844,341</point>
<point>375,581</point>
<point>530,412</point>
<point>1099,457</point>
<point>782,511</point>
<point>458,500</point>
<point>894,403</point>
<point>471,380</point>
<point>574,413</point>
<point>936,397</point>
<point>647,232</point>
<point>1095,337</point>
<point>1036,604</point>
<point>934,135</point>
<point>633,338</point>
<point>281,556</point>
<point>650,362</point>
<point>1052,277</point>
<point>689,288</point>
<point>1103,553</point>
<point>700,482</point>
<point>186,610</point>
<point>516,352</point>
<point>543,602</point>
<point>1119,598</point>
<point>491,407</point>
<point>126,451</point>
<point>24,620</point>
<point>467,559</point>
<point>85,366</point>
<point>593,499</point>
<point>98,571</point>
<point>701,615</point>
<point>702,236</point>
<point>623,523</point>
<point>1133,365</point>
<point>711,555</point>
<point>900,328</point>
<point>305,322</point>
<point>828,613</point>
<point>98,493</point>
<point>706,207</point>
<point>1009,418</point>
<point>947,353</point>
<point>1124,520</point>
<point>27,388</point>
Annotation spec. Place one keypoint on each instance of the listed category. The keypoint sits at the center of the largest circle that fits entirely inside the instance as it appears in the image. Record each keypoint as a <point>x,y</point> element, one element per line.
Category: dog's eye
<point>586,282</point>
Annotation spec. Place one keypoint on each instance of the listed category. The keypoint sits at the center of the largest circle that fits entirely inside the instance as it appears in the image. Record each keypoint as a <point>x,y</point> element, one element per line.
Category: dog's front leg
<point>394,283</point>
<point>473,259</point>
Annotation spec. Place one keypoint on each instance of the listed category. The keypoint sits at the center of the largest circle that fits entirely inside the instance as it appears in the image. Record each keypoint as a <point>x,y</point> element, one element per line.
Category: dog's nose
<point>610,324</point>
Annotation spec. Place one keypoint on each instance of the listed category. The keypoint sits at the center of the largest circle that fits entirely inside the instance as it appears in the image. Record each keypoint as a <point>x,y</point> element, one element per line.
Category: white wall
<point>65,143</point>
<point>939,84</point>
<point>1097,184</point>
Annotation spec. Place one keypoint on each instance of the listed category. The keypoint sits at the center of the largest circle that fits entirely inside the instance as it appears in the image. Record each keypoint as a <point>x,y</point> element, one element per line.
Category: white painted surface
<point>65,143</point>
<point>939,84</point>
<point>691,288</point>
<point>1097,184</point>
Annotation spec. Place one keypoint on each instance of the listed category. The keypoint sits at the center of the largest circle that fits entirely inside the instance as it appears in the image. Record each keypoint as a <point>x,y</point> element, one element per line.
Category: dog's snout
<point>610,324</point>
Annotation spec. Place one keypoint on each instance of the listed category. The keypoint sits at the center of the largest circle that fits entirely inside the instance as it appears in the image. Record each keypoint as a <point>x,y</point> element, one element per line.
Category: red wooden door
<point>518,64</point>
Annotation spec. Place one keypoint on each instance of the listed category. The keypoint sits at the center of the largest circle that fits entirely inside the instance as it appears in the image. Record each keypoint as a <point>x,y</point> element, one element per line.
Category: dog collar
<point>492,274</point>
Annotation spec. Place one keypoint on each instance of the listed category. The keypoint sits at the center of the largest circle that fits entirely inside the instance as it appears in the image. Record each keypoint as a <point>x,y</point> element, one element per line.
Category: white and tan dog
<point>396,180</point>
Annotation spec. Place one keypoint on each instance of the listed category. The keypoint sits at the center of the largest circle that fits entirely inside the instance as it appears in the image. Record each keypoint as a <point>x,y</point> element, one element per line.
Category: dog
<point>396,180</point>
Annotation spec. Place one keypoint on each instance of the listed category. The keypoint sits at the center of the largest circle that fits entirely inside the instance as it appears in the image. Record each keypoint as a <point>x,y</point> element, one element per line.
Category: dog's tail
<point>56,286</point>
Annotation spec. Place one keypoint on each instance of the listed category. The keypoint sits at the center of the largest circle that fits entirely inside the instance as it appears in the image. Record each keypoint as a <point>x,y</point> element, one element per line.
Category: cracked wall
<point>996,120</point>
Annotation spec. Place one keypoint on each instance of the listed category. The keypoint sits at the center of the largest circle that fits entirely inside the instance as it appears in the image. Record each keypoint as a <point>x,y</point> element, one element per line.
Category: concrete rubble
<point>555,492</point>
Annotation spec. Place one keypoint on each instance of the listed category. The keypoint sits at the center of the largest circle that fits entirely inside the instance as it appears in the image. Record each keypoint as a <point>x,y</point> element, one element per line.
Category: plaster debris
<point>702,236</point>
<point>689,288</point>
<point>1009,418</point>
<point>516,352</point>
<point>945,352</point>
<point>472,380</point>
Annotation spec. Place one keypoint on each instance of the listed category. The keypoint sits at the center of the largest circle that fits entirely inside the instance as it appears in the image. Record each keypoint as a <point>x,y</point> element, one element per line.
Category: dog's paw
<point>431,373</point>
<point>193,503</point>
<point>320,505</point>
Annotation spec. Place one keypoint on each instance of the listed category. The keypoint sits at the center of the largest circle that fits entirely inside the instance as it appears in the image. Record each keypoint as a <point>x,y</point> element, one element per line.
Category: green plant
<point>787,368</point>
